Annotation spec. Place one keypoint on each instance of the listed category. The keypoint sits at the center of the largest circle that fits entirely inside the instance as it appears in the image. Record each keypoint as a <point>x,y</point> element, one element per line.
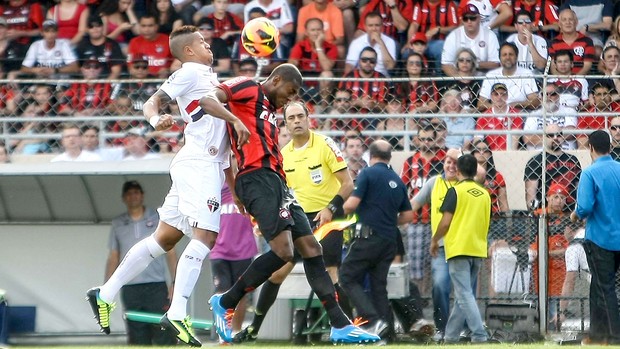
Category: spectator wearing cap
<point>137,90</point>
<point>105,50</point>
<point>11,52</point>
<point>50,57</point>
<point>396,15</point>
<point>573,40</point>
<point>384,46</point>
<point>493,13</point>
<point>481,40</point>
<point>502,117</point>
<point>167,18</point>
<point>522,88</point>
<point>435,19</point>
<point>563,117</point>
<point>155,46</point>
<point>558,224</point>
<point>71,17</point>
<point>222,62</point>
<point>24,20</point>
<point>333,23</point>
<point>532,48</point>
<point>225,16</point>
<point>71,142</point>
<point>119,20</point>
<point>315,57</point>
<point>136,146</point>
<point>87,98</point>
<point>148,291</point>
<point>417,44</point>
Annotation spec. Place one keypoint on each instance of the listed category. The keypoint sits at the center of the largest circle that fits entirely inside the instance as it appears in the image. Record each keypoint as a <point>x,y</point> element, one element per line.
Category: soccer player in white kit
<point>198,171</point>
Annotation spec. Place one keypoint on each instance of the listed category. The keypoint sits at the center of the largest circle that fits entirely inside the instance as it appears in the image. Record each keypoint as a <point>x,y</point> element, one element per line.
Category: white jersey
<point>525,59</point>
<point>84,156</point>
<point>206,137</point>
<point>484,45</point>
<point>39,55</point>
<point>520,84</point>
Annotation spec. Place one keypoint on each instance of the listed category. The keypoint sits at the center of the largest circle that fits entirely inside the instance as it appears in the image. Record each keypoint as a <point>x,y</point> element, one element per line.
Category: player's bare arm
<point>212,105</point>
<point>151,109</point>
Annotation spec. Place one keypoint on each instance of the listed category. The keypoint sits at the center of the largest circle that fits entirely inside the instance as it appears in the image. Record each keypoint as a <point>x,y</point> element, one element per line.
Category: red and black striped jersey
<point>377,90</point>
<point>582,48</point>
<point>405,7</point>
<point>416,171</point>
<point>89,96</point>
<point>27,16</point>
<point>248,102</point>
<point>429,16</point>
<point>230,22</point>
<point>418,95</point>
<point>308,60</point>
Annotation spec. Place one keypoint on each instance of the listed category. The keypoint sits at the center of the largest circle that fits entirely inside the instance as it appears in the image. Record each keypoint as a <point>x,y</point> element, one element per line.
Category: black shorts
<point>332,245</point>
<point>225,272</point>
<point>267,198</point>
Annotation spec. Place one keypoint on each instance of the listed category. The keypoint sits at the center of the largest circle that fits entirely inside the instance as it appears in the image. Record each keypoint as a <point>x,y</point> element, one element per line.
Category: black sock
<point>258,272</point>
<point>268,295</point>
<point>343,300</point>
<point>321,284</point>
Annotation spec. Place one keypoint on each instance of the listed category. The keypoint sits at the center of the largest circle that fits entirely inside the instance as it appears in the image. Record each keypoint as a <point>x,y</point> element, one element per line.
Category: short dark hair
<point>131,185</point>
<point>523,12</point>
<point>568,53</point>
<point>377,150</point>
<point>467,165</point>
<point>600,142</point>
<point>369,49</point>
<point>511,45</point>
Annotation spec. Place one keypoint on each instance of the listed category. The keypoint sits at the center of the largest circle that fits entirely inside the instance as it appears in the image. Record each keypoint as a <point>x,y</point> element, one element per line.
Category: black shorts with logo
<point>268,199</point>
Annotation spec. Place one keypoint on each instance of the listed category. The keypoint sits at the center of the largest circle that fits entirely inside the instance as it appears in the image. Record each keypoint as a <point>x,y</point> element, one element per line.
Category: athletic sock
<point>268,295</point>
<point>188,271</point>
<point>258,272</point>
<point>135,261</point>
<point>321,284</point>
<point>343,300</point>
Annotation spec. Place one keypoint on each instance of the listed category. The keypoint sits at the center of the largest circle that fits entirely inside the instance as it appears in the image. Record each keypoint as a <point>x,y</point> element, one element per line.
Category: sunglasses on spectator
<point>368,60</point>
<point>140,66</point>
<point>342,99</point>
<point>463,60</point>
<point>470,18</point>
<point>524,21</point>
<point>554,135</point>
<point>614,127</point>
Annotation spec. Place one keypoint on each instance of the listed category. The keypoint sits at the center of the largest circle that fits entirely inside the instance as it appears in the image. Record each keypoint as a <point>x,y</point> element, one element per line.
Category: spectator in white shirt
<point>532,48</point>
<point>383,44</point>
<point>72,144</point>
<point>482,41</point>
<point>522,89</point>
<point>136,147</point>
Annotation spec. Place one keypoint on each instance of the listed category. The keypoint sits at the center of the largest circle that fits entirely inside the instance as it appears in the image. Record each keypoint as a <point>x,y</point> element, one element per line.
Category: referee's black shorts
<point>332,244</point>
<point>267,198</point>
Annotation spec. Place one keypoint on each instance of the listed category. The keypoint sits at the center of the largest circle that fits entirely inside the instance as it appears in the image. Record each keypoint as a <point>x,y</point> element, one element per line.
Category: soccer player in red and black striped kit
<point>261,187</point>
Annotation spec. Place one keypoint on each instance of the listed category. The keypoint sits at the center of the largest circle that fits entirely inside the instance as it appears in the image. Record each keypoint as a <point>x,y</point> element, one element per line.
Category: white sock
<point>188,271</point>
<point>135,261</point>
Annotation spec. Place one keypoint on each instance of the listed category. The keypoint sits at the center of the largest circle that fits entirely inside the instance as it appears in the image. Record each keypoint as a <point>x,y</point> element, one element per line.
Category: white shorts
<point>195,197</point>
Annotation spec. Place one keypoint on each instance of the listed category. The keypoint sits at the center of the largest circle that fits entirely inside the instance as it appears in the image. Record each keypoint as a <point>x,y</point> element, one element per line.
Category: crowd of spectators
<point>489,52</point>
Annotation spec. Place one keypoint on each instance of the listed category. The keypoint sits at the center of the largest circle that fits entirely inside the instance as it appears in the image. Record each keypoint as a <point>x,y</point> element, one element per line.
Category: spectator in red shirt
<point>435,19</point>
<point>368,95</point>
<point>24,19</point>
<point>499,106</point>
<point>571,39</point>
<point>544,15</point>
<point>315,57</point>
<point>418,96</point>
<point>602,103</point>
<point>71,17</point>
<point>396,14</point>
<point>222,63</point>
<point>88,98</point>
<point>153,45</point>
<point>228,25</point>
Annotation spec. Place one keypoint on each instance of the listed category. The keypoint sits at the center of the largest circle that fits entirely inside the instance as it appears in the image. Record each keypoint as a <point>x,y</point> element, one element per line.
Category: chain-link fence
<point>521,144</point>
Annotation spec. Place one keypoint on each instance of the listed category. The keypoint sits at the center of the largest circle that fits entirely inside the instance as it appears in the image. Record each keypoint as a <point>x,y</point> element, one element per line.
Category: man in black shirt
<point>107,51</point>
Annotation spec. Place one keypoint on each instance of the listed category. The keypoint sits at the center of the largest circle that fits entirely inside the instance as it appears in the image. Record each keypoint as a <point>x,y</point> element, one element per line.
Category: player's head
<point>467,166</point>
<point>188,45</point>
<point>283,84</point>
<point>296,118</point>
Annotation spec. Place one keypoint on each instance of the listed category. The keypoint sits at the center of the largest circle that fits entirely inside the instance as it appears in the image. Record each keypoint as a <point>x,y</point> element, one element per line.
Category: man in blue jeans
<point>598,204</point>
<point>464,227</point>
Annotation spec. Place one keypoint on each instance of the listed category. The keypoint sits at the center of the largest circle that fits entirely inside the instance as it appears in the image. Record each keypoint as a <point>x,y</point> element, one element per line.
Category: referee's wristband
<point>154,120</point>
<point>335,205</point>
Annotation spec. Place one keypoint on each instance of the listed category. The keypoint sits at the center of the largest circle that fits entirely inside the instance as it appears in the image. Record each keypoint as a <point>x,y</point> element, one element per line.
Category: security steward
<point>317,173</point>
<point>381,203</point>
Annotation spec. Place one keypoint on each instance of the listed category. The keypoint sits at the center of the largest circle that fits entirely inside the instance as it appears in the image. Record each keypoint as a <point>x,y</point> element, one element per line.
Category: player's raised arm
<point>151,111</point>
<point>212,105</point>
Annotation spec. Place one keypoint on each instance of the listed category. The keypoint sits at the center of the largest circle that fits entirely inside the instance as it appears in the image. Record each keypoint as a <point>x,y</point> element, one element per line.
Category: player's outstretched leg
<point>182,329</point>
<point>222,318</point>
<point>101,309</point>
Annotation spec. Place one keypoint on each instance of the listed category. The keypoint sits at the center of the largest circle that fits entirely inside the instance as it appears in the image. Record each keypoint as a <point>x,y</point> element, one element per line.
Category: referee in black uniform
<point>381,203</point>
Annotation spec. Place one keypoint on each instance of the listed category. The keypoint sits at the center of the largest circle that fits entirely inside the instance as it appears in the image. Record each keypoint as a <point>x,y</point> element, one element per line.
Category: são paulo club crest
<point>212,204</point>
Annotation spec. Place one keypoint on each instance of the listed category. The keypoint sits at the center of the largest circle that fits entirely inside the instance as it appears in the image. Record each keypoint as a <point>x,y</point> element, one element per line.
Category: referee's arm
<point>335,206</point>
